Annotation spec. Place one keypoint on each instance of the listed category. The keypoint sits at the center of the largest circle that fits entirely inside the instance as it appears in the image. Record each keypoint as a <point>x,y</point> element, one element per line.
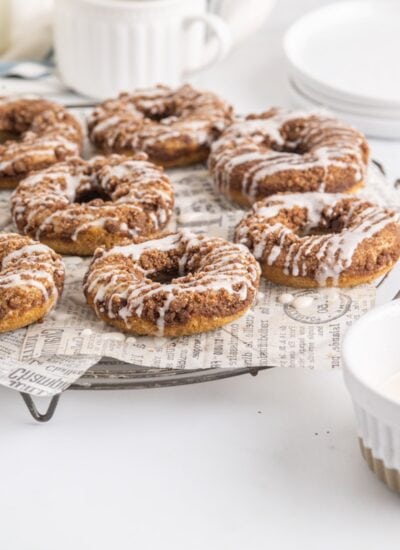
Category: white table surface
<point>247,463</point>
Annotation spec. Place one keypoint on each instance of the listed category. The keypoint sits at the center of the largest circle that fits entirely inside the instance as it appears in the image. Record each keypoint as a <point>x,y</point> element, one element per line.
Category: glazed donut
<point>35,134</point>
<point>282,151</point>
<point>31,281</point>
<point>78,205</point>
<point>319,239</point>
<point>175,127</point>
<point>178,285</point>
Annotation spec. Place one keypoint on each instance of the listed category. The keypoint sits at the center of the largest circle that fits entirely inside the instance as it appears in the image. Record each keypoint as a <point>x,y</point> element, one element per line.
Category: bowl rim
<point>350,374</point>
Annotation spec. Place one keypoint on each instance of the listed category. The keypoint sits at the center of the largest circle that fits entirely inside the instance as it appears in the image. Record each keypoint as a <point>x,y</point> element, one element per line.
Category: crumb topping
<point>122,196</point>
<point>320,235</point>
<point>31,274</point>
<point>169,280</point>
<point>37,133</point>
<point>163,122</point>
<point>284,151</point>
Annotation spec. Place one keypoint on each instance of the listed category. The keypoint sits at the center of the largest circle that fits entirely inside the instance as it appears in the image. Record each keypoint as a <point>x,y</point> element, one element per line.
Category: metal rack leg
<point>41,417</point>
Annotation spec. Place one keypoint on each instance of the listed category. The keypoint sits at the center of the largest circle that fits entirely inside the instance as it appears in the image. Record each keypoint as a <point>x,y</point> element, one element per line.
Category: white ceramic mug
<point>106,46</point>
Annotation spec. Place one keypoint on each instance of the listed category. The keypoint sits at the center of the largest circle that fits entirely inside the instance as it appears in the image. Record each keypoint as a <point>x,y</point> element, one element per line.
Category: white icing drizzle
<point>29,265</point>
<point>107,123</point>
<point>251,149</point>
<point>302,302</point>
<point>47,140</point>
<point>134,251</point>
<point>218,266</point>
<point>313,202</point>
<point>140,199</point>
<point>273,242</point>
<point>286,298</point>
<point>24,251</point>
<point>126,120</point>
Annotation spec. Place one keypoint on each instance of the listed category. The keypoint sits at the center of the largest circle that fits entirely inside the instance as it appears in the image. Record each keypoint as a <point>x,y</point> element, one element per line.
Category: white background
<point>248,463</point>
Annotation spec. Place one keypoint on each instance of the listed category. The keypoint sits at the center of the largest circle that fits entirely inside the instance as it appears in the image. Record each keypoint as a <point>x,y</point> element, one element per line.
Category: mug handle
<point>217,46</point>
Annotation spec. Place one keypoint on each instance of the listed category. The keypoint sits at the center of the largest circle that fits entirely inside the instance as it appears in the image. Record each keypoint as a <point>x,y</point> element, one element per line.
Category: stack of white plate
<point>345,57</point>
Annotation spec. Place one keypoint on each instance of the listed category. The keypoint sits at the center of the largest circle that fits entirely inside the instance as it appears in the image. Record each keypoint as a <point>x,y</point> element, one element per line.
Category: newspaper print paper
<point>48,356</point>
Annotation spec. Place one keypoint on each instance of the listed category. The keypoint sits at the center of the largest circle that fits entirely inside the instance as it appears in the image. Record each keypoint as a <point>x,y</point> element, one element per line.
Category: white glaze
<point>24,251</point>
<point>202,114</point>
<point>332,295</point>
<point>242,146</point>
<point>31,265</point>
<point>134,251</point>
<point>302,303</point>
<point>334,251</point>
<point>286,298</point>
<point>225,267</point>
<point>43,141</point>
<point>260,298</point>
<point>47,199</point>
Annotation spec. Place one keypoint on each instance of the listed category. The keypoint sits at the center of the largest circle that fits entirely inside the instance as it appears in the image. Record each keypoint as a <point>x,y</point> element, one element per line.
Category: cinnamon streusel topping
<point>36,134</point>
<point>173,126</point>
<point>168,282</point>
<point>321,236</point>
<point>102,201</point>
<point>31,280</point>
<point>283,151</point>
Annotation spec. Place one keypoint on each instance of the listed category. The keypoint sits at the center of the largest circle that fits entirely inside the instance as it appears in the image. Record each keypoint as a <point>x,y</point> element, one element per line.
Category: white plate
<point>350,49</point>
<point>372,127</point>
<point>351,107</point>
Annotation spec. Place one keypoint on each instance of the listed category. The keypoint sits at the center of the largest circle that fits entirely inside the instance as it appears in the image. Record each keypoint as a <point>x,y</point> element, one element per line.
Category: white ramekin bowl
<point>371,355</point>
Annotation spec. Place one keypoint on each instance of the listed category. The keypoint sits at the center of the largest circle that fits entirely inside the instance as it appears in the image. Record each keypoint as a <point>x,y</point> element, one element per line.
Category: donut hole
<point>88,195</point>
<point>8,135</point>
<point>292,139</point>
<point>159,111</point>
<point>165,268</point>
<point>296,139</point>
<point>326,227</point>
<point>297,150</point>
<point>329,227</point>
<point>292,149</point>
<point>159,116</point>
<point>314,231</point>
<point>164,277</point>
<point>159,266</point>
<point>330,221</point>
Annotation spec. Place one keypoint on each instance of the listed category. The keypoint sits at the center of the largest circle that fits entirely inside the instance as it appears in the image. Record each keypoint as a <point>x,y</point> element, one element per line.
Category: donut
<point>31,281</point>
<point>282,151</point>
<point>177,285</point>
<point>318,239</point>
<point>35,134</point>
<point>77,206</point>
<point>175,127</point>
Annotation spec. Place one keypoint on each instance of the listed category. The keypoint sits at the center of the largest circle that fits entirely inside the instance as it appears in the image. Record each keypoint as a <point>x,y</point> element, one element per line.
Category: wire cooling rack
<point>123,376</point>
<point>128,377</point>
